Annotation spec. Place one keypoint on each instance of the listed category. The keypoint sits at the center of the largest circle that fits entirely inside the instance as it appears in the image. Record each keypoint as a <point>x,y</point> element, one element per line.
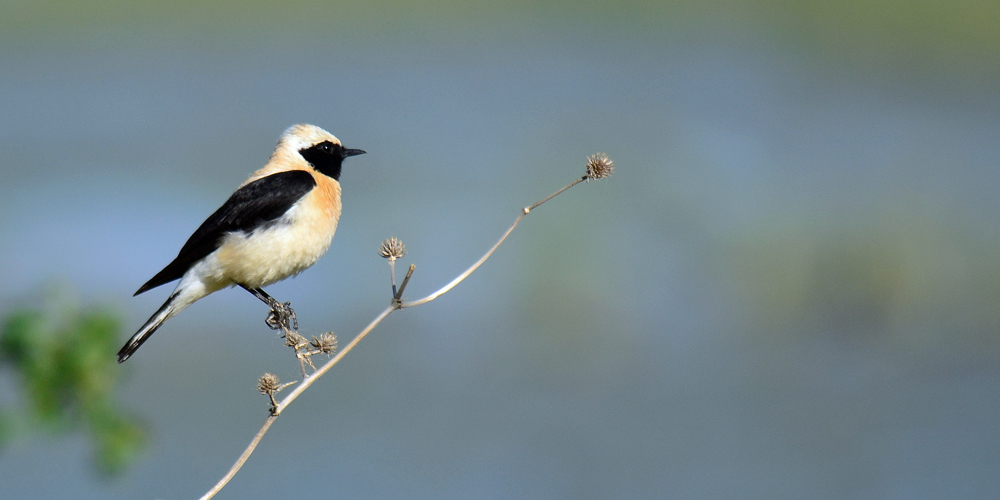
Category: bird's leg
<point>282,315</point>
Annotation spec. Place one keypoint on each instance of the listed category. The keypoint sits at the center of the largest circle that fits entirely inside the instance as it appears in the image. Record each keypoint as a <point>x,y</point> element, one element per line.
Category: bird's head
<point>319,148</point>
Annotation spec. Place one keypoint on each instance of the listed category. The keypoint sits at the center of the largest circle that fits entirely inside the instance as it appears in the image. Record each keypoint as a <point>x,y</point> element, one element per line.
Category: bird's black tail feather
<point>147,329</point>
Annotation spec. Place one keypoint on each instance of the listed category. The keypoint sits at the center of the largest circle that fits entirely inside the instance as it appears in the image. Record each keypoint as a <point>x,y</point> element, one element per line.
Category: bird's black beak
<point>353,152</point>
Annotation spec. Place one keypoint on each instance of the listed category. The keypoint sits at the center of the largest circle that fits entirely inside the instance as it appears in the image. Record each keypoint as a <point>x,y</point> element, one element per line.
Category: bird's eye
<point>326,147</point>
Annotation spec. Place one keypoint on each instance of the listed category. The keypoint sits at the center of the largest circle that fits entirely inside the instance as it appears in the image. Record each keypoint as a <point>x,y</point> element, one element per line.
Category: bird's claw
<point>282,317</point>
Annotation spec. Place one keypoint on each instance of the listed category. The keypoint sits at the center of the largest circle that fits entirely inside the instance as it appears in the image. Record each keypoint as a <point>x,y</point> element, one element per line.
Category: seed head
<point>392,249</point>
<point>326,343</point>
<point>268,384</point>
<point>294,340</point>
<point>599,166</point>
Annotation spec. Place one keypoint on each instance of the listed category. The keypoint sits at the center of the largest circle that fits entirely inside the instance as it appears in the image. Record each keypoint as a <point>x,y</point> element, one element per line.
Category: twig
<point>399,295</point>
<point>598,167</point>
<point>243,458</point>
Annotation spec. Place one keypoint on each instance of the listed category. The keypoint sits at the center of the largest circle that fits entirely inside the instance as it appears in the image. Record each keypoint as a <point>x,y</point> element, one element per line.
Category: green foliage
<point>65,363</point>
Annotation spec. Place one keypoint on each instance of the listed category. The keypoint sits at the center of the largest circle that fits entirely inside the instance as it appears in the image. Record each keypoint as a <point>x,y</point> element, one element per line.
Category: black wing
<point>250,207</point>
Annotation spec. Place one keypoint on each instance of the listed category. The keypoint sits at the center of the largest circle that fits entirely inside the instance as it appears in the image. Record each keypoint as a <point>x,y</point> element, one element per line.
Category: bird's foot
<point>282,317</point>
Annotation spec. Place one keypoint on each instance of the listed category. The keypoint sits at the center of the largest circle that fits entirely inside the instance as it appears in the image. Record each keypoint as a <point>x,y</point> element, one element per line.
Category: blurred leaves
<point>64,361</point>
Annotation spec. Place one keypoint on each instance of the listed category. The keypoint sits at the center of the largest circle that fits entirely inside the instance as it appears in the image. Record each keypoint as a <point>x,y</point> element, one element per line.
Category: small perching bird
<point>279,222</point>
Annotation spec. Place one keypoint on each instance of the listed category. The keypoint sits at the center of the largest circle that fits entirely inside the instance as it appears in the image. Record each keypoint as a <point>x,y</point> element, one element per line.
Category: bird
<point>276,224</point>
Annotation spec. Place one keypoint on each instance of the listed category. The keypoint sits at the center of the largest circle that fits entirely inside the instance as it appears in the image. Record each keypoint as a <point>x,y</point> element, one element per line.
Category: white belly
<point>274,252</point>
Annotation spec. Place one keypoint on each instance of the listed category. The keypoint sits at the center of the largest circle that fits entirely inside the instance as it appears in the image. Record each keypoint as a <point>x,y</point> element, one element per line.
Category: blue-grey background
<point>789,289</point>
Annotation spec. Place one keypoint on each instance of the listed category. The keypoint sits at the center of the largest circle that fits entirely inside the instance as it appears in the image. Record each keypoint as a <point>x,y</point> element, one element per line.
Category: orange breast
<point>289,247</point>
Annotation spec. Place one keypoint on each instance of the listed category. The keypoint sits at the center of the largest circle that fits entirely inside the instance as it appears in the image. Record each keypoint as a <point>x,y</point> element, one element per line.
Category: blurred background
<point>790,288</point>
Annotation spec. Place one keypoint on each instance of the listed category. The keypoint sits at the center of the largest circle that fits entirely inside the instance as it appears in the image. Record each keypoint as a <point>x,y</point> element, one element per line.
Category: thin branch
<point>553,195</point>
<point>276,410</point>
<point>396,304</point>
<point>243,458</point>
<point>468,271</point>
<point>308,381</point>
<point>398,296</point>
<point>392,275</point>
<point>489,252</point>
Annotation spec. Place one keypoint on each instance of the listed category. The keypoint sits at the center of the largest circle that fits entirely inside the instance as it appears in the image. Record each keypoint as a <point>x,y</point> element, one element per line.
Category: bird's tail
<point>165,311</point>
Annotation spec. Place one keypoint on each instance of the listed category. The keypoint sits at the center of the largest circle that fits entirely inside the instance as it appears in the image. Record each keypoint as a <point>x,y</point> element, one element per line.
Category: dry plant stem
<point>243,458</point>
<point>392,275</point>
<point>553,195</point>
<point>398,295</point>
<point>396,304</point>
<point>276,410</point>
<point>488,253</point>
<point>308,381</point>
